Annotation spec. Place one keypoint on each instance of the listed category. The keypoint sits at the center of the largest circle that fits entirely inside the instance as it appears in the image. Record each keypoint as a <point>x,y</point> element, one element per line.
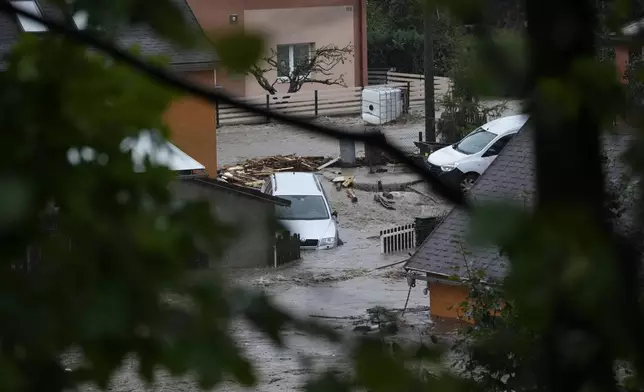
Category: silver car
<point>310,214</point>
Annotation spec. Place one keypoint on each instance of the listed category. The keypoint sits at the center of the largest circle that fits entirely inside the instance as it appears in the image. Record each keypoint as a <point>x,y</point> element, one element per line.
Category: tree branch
<point>168,78</point>
<point>258,73</point>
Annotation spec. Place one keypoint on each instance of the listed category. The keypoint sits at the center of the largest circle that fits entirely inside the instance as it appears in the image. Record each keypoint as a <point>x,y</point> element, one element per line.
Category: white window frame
<point>26,24</point>
<point>291,58</point>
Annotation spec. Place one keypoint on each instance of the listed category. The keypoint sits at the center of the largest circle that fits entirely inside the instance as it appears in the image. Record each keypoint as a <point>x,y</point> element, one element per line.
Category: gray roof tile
<point>149,43</point>
<point>510,177</point>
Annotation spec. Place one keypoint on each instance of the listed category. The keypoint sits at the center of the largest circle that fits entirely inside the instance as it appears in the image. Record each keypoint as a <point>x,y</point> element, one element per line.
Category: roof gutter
<point>428,276</point>
<point>273,199</point>
<point>435,277</point>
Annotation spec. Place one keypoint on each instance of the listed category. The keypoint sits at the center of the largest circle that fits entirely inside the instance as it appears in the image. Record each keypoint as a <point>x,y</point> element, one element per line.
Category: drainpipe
<point>428,292</point>
<point>362,9</point>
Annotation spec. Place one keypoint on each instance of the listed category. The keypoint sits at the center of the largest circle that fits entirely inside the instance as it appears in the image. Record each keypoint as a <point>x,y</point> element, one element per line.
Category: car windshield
<point>474,142</point>
<point>303,208</point>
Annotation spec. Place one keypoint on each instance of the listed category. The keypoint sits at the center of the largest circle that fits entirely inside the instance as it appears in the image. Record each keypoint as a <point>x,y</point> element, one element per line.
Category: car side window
<point>498,145</point>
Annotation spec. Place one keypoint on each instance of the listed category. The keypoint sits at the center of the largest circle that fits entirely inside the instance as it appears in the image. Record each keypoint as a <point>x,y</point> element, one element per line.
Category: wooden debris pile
<point>252,172</point>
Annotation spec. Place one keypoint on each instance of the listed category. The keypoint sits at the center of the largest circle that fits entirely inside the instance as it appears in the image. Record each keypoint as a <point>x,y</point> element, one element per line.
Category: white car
<point>461,164</point>
<point>310,214</point>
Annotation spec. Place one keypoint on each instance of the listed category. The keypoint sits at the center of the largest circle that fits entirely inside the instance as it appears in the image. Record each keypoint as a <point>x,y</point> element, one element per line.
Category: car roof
<point>295,183</point>
<point>506,124</point>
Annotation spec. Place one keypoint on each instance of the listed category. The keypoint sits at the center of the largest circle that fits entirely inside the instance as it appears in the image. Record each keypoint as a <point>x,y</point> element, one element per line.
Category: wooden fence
<point>378,76</point>
<point>416,85</point>
<point>333,102</point>
<point>398,239</point>
<point>286,249</point>
<point>330,102</point>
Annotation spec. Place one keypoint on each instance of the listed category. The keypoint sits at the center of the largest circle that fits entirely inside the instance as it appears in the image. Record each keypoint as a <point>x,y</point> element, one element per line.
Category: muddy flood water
<point>334,286</point>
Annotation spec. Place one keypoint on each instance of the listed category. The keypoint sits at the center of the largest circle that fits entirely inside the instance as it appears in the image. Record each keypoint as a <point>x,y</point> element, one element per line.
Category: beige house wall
<point>318,25</point>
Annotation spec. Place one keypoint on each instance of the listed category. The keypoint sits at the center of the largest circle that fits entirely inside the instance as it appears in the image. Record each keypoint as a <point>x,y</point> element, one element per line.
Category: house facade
<point>191,121</point>
<point>446,259</point>
<point>290,27</point>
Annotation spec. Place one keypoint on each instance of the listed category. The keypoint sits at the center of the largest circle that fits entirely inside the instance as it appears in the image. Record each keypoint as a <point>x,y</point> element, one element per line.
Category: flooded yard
<point>335,286</point>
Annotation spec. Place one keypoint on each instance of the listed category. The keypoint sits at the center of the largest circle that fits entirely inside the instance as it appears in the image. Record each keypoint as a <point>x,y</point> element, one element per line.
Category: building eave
<point>193,67</point>
<point>242,191</point>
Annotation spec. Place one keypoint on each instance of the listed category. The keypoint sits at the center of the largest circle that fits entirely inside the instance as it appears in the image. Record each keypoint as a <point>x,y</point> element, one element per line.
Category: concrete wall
<point>320,26</point>
<point>444,296</point>
<point>192,124</point>
<point>214,15</point>
<point>251,217</point>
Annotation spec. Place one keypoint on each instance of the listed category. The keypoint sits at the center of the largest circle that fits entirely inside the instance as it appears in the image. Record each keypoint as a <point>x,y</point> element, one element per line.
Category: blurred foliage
<point>395,33</point>
<point>237,61</point>
<point>395,37</point>
<point>113,278</point>
<point>474,80</point>
<point>492,346</point>
<point>110,281</point>
<point>121,241</point>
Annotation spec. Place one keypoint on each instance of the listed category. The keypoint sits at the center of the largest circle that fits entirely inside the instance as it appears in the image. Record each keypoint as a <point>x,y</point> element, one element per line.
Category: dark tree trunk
<point>569,178</point>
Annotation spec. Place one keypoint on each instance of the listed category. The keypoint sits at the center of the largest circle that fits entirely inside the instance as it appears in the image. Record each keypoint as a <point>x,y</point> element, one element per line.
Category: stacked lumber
<point>252,172</point>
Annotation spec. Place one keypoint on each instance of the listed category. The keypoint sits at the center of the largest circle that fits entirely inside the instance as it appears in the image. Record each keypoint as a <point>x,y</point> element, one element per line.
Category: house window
<point>291,56</point>
<point>80,19</point>
<point>27,24</point>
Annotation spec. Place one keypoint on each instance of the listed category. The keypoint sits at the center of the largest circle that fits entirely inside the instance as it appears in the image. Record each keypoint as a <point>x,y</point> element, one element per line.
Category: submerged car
<point>462,163</point>
<point>310,214</point>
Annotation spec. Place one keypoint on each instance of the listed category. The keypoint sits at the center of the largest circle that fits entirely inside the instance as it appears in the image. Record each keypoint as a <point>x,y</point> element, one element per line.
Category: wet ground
<point>337,286</point>
<point>236,143</point>
<point>334,286</point>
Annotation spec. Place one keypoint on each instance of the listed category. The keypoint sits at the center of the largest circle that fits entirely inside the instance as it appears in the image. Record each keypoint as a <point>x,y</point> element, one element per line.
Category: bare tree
<point>316,67</point>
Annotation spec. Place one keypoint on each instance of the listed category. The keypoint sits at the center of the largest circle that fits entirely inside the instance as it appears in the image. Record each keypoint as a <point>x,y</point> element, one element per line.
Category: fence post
<point>275,250</point>
<point>217,113</point>
<point>315,95</point>
<point>407,96</point>
<point>268,104</point>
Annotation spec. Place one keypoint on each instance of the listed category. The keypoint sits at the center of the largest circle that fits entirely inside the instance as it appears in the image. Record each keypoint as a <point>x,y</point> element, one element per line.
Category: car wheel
<point>468,181</point>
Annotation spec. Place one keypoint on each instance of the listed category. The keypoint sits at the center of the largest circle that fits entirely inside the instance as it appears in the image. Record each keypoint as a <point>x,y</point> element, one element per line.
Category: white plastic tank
<point>381,105</point>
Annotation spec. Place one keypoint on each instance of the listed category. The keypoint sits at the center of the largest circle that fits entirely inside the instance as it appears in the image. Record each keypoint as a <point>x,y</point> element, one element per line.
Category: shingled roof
<point>149,43</point>
<point>511,177</point>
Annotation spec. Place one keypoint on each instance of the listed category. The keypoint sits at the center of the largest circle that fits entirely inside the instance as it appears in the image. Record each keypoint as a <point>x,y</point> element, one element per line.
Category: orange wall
<point>444,296</point>
<point>192,124</point>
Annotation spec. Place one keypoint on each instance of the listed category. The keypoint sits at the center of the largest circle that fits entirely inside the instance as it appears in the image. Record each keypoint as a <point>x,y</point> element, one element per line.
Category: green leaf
<point>263,314</point>
<point>239,50</point>
<point>328,381</point>
<point>496,223</point>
